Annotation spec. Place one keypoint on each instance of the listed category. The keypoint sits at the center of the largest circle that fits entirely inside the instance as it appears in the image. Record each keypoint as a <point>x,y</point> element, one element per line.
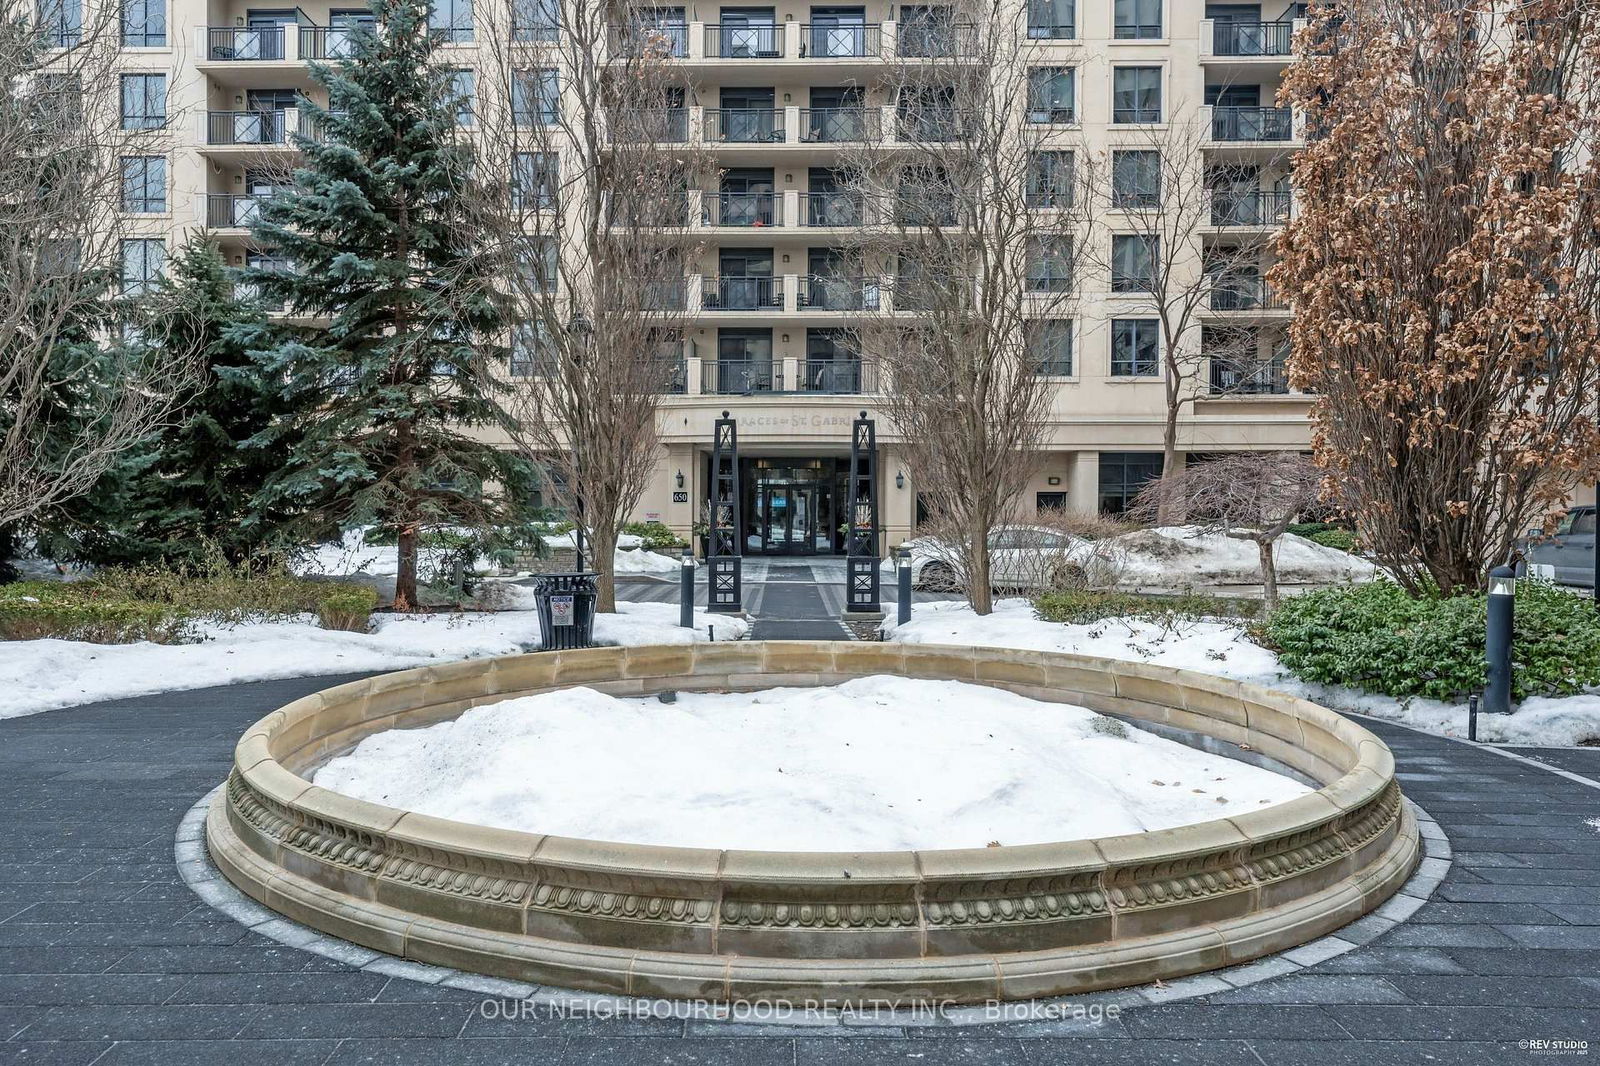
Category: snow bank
<point>37,675</point>
<point>877,763</point>
<point>1179,556</point>
<point>645,561</point>
<point>1223,648</point>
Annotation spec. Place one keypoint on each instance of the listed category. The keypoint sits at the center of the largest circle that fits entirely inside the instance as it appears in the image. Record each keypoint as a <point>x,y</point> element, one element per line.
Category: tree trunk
<point>1269,576</point>
<point>1166,513</point>
<point>979,592</point>
<point>405,577</point>
<point>602,560</point>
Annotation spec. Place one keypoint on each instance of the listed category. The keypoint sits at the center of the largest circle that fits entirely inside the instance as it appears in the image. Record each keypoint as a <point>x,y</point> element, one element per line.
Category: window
<point>451,20</point>
<point>1138,20</point>
<point>144,101</point>
<point>1135,348</point>
<point>144,23</point>
<point>1052,347</point>
<point>532,354</point>
<point>1136,179</point>
<point>60,22</point>
<point>1052,20</point>
<point>1050,264</point>
<point>1136,94</point>
<point>463,91</point>
<point>1122,475</point>
<point>1050,94</point>
<point>1133,262</point>
<point>1049,501</point>
<point>533,180</point>
<point>535,97</point>
<point>1052,178</point>
<point>535,20</point>
<point>142,261</point>
<point>144,184</point>
<point>536,258</point>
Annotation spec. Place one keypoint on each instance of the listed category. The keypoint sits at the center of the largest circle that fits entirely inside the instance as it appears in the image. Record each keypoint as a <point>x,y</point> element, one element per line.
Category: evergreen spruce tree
<point>388,389</point>
<point>190,491</point>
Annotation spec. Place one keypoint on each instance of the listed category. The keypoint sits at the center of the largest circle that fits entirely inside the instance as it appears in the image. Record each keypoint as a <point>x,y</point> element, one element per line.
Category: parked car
<point>1020,557</point>
<point>1567,555</point>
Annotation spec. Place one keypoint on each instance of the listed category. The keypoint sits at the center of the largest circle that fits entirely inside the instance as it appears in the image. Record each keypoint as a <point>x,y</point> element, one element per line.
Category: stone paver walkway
<point>106,957</point>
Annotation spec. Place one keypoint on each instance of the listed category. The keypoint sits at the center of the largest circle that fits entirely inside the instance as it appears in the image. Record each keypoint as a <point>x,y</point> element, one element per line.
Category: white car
<point>1020,557</point>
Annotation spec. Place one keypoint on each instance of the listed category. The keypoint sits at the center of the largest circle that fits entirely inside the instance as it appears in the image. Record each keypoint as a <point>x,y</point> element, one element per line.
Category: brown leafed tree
<point>976,218</point>
<point>594,232</point>
<point>76,391</point>
<point>1252,496</point>
<point>1443,270</point>
<point>1186,236</point>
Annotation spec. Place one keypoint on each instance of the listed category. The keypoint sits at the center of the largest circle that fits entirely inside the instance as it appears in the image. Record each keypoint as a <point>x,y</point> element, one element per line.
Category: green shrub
<point>1342,539</point>
<point>1378,638</point>
<point>1082,606</point>
<point>85,611</point>
<point>655,535</point>
<point>347,607</point>
<point>216,591</point>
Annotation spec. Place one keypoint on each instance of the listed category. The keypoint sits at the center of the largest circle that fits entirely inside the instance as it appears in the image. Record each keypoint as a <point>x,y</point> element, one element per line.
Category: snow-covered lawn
<point>1181,556</point>
<point>37,675</point>
<point>353,555</point>
<point>875,764</point>
<point>1223,648</point>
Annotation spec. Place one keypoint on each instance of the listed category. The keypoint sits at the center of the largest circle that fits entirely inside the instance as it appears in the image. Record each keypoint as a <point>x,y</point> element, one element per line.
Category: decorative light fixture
<point>900,479</point>
<point>680,479</point>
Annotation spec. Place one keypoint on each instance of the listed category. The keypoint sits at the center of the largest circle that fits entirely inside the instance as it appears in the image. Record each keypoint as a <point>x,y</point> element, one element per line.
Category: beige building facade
<point>780,90</point>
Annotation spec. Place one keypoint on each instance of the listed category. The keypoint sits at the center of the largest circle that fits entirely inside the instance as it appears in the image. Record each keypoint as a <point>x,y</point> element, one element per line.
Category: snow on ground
<point>1178,556</point>
<point>1223,648</point>
<point>645,561</point>
<point>37,675</point>
<point>875,764</point>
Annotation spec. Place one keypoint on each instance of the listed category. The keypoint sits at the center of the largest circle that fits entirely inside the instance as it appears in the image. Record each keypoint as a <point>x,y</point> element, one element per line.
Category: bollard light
<point>1501,617</point>
<point>686,589</point>
<point>903,572</point>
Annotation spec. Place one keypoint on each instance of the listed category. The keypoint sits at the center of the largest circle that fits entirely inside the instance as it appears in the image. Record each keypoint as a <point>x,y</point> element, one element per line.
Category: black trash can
<point>566,610</point>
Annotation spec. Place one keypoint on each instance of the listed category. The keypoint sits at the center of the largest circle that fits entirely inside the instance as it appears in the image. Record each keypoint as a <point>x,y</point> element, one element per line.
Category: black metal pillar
<point>724,592</point>
<point>861,541</point>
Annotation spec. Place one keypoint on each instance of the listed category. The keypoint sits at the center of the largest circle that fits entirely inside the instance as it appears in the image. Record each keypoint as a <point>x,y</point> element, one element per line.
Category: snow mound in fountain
<point>875,764</point>
<point>1179,556</point>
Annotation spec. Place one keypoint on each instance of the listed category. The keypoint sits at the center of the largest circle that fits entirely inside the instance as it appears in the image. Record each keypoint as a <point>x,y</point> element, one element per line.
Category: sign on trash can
<point>561,610</point>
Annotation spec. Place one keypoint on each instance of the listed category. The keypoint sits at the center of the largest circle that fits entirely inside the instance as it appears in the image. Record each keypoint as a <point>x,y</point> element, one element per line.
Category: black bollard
<point>686,590</point>
<point>903,573</point>
<point>1472,717</point>
<point>1497,642</point>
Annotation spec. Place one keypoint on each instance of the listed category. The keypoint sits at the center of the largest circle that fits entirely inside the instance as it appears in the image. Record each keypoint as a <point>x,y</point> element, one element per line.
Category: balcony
<point>840,125</point>
<point>828,293</point>
<point>840,209</point>
<point>1243,292</point>
<point>659,125</point>
<point>936,40</point>
<point>1251,125</point>
<point>840,41</point>
<point>1231,377</point>
<point>932,125</point>
<point>665,40</point>
<point>742,209</point>
<point>835,377</point>
<point>1250,39</point>
<point>745,125</point>
<point>1249,208</point>
<point>742,294</point>
<point>666,295</point>
<point>255,128</point>
<point>744,42</point>
<point>225,211</point>
<point>283,43</point>
<point>740,377</point>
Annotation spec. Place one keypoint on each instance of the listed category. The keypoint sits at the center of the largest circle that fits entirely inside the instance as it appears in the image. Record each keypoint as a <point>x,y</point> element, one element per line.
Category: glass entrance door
<point>788,518</point>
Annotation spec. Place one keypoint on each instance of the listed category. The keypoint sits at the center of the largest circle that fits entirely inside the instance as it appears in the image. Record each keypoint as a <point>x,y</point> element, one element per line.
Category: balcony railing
<point>923,209</point>
<point>742,294</point>
<point>829,293</point>
<point>744,125</point>
<point>1250,207</point>
<point>665,40</point>
<point>1231,377</point>
<point>836,41</point>
<point>674,371</point>
<point>225,211</point>
<point>664,294</point>
<point>744,42</point>
<point>834,209</point>
<point>1243,293</point>
<point>754,209</point>
<point>252,127</point>
<point>659,125</point>
<point>924,125</point>
<point>1252,38</point>
<point>244,43</point>
<point>834,125</point>
<point>328,42</point>
<point>740,376</point>
<point>919,40</point>
<point>1252,124</point>
<point>836,376</point>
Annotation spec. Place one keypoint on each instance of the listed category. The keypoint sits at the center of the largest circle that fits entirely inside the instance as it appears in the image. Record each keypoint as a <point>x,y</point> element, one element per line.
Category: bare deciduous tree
<point>979,215</point>
<point>1443,270</point>
<point>1253,496</point>
<point>76,386</point>
<point>1188,236</point>
<point>594,234</point>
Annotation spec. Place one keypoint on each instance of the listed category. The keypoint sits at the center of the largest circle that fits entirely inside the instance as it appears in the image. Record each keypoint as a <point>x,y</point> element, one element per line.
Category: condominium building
<point>779,91</point>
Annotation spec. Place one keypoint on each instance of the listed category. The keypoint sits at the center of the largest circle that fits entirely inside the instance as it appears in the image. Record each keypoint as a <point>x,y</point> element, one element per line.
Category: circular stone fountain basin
<point>930,923</point>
